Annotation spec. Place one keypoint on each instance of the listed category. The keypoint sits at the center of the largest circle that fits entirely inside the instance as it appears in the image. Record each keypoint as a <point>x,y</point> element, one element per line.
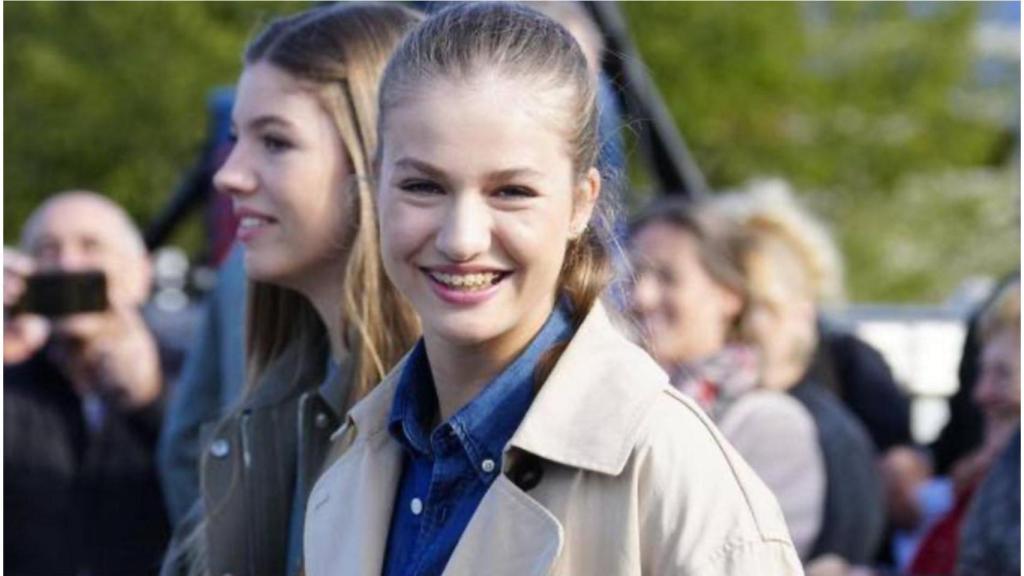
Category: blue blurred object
<point>211,382</point>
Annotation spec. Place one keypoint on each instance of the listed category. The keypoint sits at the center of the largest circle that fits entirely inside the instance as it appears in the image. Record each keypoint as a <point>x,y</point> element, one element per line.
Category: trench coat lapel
<point>586,416</point>
<point>373,476</point>
<point>510,534</point>
<point>589,411</point>
<point>357,490</point>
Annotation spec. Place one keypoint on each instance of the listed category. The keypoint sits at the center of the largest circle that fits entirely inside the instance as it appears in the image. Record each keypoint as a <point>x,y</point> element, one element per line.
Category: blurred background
<point>897,122</point>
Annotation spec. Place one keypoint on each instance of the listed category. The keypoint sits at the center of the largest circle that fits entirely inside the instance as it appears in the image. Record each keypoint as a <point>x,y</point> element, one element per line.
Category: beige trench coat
<point>635,480</point>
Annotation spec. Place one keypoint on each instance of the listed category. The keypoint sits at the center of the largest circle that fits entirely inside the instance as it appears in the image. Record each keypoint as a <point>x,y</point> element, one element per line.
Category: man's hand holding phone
<point>24,333</point>
<point>103,346</point>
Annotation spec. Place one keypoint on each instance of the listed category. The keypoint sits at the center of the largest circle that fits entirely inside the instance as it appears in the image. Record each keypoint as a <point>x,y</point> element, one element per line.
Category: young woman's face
<point>684,313</point>
<point>477,203</point>
<point>287,175</point>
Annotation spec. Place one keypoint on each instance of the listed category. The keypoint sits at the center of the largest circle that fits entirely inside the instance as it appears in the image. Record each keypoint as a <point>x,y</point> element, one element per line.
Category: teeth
<point>252,222</point>
<point>469,282</point>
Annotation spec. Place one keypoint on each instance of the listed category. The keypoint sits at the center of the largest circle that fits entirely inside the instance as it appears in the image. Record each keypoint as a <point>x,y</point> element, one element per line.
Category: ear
<point>140,283</point>
<point>587,193</point>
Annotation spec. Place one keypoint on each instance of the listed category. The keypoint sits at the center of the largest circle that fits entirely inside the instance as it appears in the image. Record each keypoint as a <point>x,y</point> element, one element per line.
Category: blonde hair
<point>769,209</point>
<point>573,15</point>
<point>789,258</point>
<point>466,40</point>
<point>340,51</point>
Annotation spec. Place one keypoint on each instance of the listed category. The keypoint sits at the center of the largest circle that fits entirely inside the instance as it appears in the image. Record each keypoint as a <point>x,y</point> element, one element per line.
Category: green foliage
<point>932,232</point>
<point>855,104</point>
<point>112,96</point>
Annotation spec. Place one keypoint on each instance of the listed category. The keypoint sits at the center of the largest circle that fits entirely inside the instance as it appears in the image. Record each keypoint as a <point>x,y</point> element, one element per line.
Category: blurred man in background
<point>83,400</point>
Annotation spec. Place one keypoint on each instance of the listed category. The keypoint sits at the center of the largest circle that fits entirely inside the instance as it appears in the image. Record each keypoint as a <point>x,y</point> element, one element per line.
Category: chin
<point>464,332</point>
<point>259,268</point>
<point>257,274</point>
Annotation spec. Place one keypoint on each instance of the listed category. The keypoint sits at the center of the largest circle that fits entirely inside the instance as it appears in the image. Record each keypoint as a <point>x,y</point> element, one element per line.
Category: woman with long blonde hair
<point>324,324</point>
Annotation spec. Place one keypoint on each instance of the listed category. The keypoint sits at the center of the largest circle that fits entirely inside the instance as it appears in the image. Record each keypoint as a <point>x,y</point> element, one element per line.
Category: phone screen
<point>57,294</point>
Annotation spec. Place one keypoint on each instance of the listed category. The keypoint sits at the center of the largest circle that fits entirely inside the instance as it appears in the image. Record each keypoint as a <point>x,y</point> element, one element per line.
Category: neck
<point>782,376</point>
<point>326,296</point>
<point>461,371</point>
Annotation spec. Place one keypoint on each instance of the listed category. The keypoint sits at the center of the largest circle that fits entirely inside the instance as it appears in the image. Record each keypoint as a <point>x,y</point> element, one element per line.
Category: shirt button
<point>321,420</point>
<point>219,448</point>
<point>487,465</point>
<point>416,506</point>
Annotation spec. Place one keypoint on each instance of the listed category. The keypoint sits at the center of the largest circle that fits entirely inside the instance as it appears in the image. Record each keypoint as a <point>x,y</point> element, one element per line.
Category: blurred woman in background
<point>688,297</point>
<point>991,536</point>
<point>791,268</point>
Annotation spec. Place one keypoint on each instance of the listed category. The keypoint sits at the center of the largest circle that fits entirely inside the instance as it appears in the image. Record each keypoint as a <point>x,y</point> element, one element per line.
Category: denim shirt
<point>445,473</point>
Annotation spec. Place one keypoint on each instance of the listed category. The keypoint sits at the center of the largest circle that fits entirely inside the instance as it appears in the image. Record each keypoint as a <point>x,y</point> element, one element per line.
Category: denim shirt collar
<point>485,425</point>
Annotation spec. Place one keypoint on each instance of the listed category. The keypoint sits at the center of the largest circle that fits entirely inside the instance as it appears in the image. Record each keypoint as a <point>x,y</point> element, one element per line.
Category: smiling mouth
<point>474,282</point>
<point>253,222</point>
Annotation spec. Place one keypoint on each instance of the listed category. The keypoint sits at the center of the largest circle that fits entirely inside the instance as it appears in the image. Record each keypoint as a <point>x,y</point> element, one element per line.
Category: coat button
<point>219,448</point>
<point>487,465</point>
<point>321,421</point>
<point>416,506</point>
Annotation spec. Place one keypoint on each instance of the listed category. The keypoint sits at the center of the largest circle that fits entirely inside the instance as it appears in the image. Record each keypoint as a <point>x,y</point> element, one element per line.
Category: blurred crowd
<point>105,426</point>
<point>724,293</point>
<point>727,297</point>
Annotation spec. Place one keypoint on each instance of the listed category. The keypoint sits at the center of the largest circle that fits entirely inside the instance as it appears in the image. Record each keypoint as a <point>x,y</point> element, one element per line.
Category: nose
<point>466,231</point>
<point>235,177</point>
<point>72,259</point>
<point>644,295</point>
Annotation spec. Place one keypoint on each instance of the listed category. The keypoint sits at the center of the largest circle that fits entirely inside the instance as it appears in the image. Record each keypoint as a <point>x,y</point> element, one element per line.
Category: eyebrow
<point>435,172</point>
<point>265,120</point>
<point>46,238</point>
<point>425,167</point>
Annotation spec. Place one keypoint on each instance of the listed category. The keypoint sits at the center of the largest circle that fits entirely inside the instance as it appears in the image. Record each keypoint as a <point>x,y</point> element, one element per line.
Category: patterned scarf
<point>717,381</point>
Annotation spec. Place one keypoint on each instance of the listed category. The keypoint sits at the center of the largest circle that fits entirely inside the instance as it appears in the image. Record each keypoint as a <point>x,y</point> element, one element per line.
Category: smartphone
<point>56,294</point>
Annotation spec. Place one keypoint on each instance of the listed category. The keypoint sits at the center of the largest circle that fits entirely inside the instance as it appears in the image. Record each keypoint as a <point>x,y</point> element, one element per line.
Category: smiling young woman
<point>523,434</point>
<point>323,322</point>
